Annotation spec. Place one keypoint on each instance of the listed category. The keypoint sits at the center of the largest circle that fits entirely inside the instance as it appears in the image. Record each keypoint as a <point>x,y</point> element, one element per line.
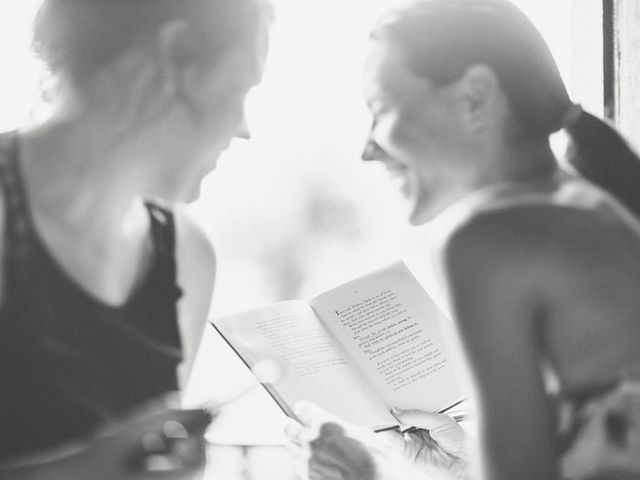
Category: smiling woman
<point>414,121</point>
<point>540,265</point>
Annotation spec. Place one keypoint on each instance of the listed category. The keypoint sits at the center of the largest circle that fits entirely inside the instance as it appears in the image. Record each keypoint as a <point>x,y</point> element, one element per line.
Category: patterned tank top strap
<point>17,224</point>
<point>163,233</point>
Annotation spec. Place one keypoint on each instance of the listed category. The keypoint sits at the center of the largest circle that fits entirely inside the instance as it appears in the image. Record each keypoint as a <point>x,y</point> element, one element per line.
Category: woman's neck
<point>526,160</point>
<point>79,168</point>
<point>80,193</point>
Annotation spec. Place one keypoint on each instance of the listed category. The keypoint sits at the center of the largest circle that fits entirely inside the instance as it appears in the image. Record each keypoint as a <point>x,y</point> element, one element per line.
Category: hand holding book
<point>329,447</point>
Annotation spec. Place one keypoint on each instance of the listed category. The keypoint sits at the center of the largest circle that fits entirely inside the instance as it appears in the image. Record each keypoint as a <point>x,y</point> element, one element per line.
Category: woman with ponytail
<point>541,267</point>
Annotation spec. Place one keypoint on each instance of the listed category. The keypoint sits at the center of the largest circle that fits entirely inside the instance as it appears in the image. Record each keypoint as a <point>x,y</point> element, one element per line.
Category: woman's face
<point>418,132</point>
<point>220,108</point>
<point>214,105</point>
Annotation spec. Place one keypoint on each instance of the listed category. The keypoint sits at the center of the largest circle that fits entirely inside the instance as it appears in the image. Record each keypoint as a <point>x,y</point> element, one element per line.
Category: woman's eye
<point>375,117</point>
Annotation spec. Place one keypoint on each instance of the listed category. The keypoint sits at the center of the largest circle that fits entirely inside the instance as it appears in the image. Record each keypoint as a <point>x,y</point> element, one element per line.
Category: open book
<point>357,350</point>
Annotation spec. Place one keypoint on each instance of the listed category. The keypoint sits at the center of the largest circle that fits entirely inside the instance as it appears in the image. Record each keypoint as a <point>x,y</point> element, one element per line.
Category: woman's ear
<point>482,97</point>
<point>175,50</point>
<point>179,68</point>
<point>147,82</point>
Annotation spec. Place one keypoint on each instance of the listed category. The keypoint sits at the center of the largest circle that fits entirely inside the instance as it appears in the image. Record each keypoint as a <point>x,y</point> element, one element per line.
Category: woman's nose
<point>372,151</point>
<point>243,129</point>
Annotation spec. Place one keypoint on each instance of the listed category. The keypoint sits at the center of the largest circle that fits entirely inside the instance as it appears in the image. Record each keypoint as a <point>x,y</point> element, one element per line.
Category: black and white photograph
<point>319,240</point>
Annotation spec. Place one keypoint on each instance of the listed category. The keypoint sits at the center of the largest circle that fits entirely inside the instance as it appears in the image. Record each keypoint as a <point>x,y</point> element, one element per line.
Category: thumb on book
<point>421,418</point>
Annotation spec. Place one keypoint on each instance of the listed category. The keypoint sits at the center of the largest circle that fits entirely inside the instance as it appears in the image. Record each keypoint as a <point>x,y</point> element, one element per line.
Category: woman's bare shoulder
<point>547,236</point>
<point>569,213</point>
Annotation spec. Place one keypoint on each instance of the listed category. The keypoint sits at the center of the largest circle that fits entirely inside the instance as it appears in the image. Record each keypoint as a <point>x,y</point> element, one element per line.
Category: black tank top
<point>67,360</point>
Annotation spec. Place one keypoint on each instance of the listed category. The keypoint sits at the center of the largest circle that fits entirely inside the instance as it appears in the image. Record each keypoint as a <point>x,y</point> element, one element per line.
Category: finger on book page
<point>422,419</point>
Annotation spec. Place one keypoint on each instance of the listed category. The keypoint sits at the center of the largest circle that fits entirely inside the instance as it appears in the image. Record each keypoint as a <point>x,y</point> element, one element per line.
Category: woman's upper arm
<point>196,268</point>
<point>492,280</point>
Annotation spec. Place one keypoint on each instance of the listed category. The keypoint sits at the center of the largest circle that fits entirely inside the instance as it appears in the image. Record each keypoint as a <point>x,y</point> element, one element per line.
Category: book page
<point>395,333</point>
<point>314,367</point>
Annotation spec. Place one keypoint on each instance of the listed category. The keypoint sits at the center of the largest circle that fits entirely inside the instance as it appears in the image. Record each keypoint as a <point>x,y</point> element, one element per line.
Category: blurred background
<point>294,211</point>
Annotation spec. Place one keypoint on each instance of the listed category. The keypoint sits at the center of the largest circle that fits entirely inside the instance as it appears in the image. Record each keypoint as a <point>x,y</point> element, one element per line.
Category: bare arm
<point>118,451</point>
<point>196,267</point>
<point>493,273</point>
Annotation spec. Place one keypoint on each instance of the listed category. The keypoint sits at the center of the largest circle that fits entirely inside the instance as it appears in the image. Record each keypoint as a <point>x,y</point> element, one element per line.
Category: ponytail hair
<point>600,154</point>
<point>440,39</point>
